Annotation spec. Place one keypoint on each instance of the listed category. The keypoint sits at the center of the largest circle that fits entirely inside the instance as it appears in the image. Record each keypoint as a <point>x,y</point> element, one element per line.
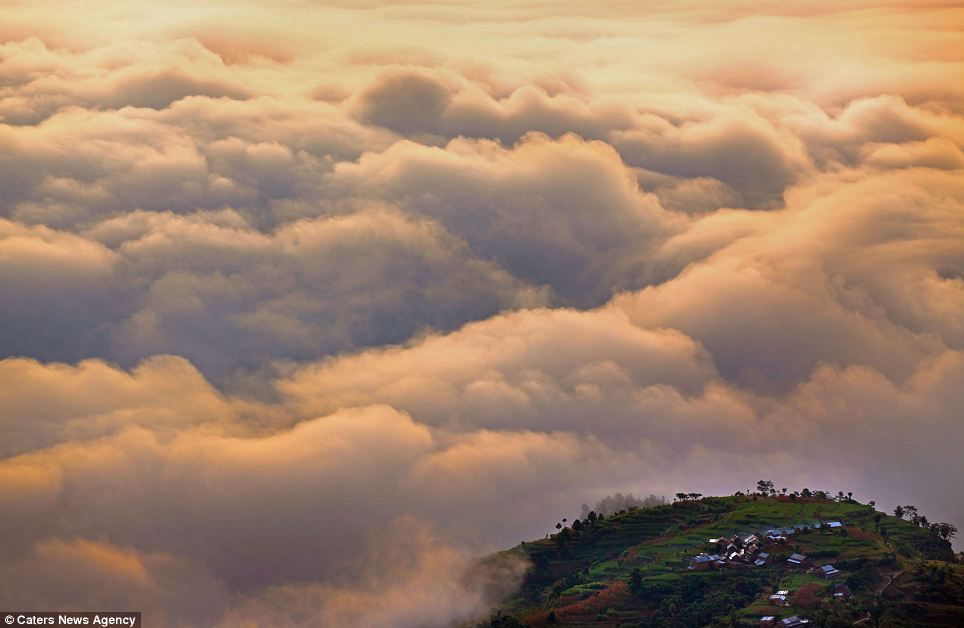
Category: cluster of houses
<point>780,535</point>
<point>782,597</point>
<point>737,551</point>
<point>734,551</point>
<point>840,591</point>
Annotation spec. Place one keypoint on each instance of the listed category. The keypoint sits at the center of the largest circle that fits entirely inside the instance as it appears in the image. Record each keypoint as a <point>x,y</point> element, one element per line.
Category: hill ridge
<point>715,561</point>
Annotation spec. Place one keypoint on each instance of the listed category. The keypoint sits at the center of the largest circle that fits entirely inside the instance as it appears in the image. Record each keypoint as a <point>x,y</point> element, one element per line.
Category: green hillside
<point>636,567</point>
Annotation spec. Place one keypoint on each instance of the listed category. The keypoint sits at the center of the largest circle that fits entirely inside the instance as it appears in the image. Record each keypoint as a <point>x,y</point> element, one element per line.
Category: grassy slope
<point>586,583</point>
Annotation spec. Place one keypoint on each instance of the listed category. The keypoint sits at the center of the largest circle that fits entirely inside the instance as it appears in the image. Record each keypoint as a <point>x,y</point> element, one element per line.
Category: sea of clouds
<point>303,307</point>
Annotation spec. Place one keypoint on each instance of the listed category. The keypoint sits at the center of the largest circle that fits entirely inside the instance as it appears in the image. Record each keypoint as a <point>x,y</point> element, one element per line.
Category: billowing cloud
<point>749,155</point>
<point>210,288</point>
<point>408,103</point>
<point>830,271</point>
<point>417,103</point>
<point>305,308</point>
<point>49,404</point>
<point>565,213</point>
<point>553,368</point>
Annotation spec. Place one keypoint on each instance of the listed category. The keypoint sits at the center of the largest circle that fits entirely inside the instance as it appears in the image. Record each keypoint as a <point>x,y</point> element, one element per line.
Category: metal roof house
<point>794,620</point>
<point>780,533</point>
<point>796,559</point>
<point>829,571</point>
<point>703,561</point>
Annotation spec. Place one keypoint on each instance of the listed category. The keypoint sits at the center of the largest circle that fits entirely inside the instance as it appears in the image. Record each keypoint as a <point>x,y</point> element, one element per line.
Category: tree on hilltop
<point>765,487</point>
<point>946,531</point>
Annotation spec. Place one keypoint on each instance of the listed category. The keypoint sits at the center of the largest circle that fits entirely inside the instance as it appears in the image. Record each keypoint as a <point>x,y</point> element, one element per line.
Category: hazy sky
<point>305,304</point>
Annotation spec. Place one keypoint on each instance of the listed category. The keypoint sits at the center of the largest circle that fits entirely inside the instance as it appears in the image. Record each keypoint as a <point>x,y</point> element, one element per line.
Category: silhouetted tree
<point>563,538</point>
<point>636,581</point>
<point>946,531</point>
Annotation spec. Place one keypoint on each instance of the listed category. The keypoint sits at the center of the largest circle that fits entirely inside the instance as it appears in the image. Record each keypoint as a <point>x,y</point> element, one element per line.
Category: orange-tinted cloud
<point>305,305</point>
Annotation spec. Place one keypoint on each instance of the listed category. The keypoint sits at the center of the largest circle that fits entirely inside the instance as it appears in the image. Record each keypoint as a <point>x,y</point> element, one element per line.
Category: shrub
<point>808,596</point>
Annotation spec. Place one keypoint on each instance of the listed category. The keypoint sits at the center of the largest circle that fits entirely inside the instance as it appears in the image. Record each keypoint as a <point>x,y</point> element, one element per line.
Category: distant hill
<point>716,561</point>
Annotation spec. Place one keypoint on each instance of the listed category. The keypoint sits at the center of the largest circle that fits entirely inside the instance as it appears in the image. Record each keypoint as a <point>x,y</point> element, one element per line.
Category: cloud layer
<point>315,309</point>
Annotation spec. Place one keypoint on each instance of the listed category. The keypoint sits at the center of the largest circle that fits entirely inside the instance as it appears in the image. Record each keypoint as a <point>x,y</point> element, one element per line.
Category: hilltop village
<point>764,558</point>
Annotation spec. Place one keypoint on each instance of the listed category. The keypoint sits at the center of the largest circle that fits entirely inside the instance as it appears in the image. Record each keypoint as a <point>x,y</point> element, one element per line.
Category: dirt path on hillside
<point>890,578</point>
